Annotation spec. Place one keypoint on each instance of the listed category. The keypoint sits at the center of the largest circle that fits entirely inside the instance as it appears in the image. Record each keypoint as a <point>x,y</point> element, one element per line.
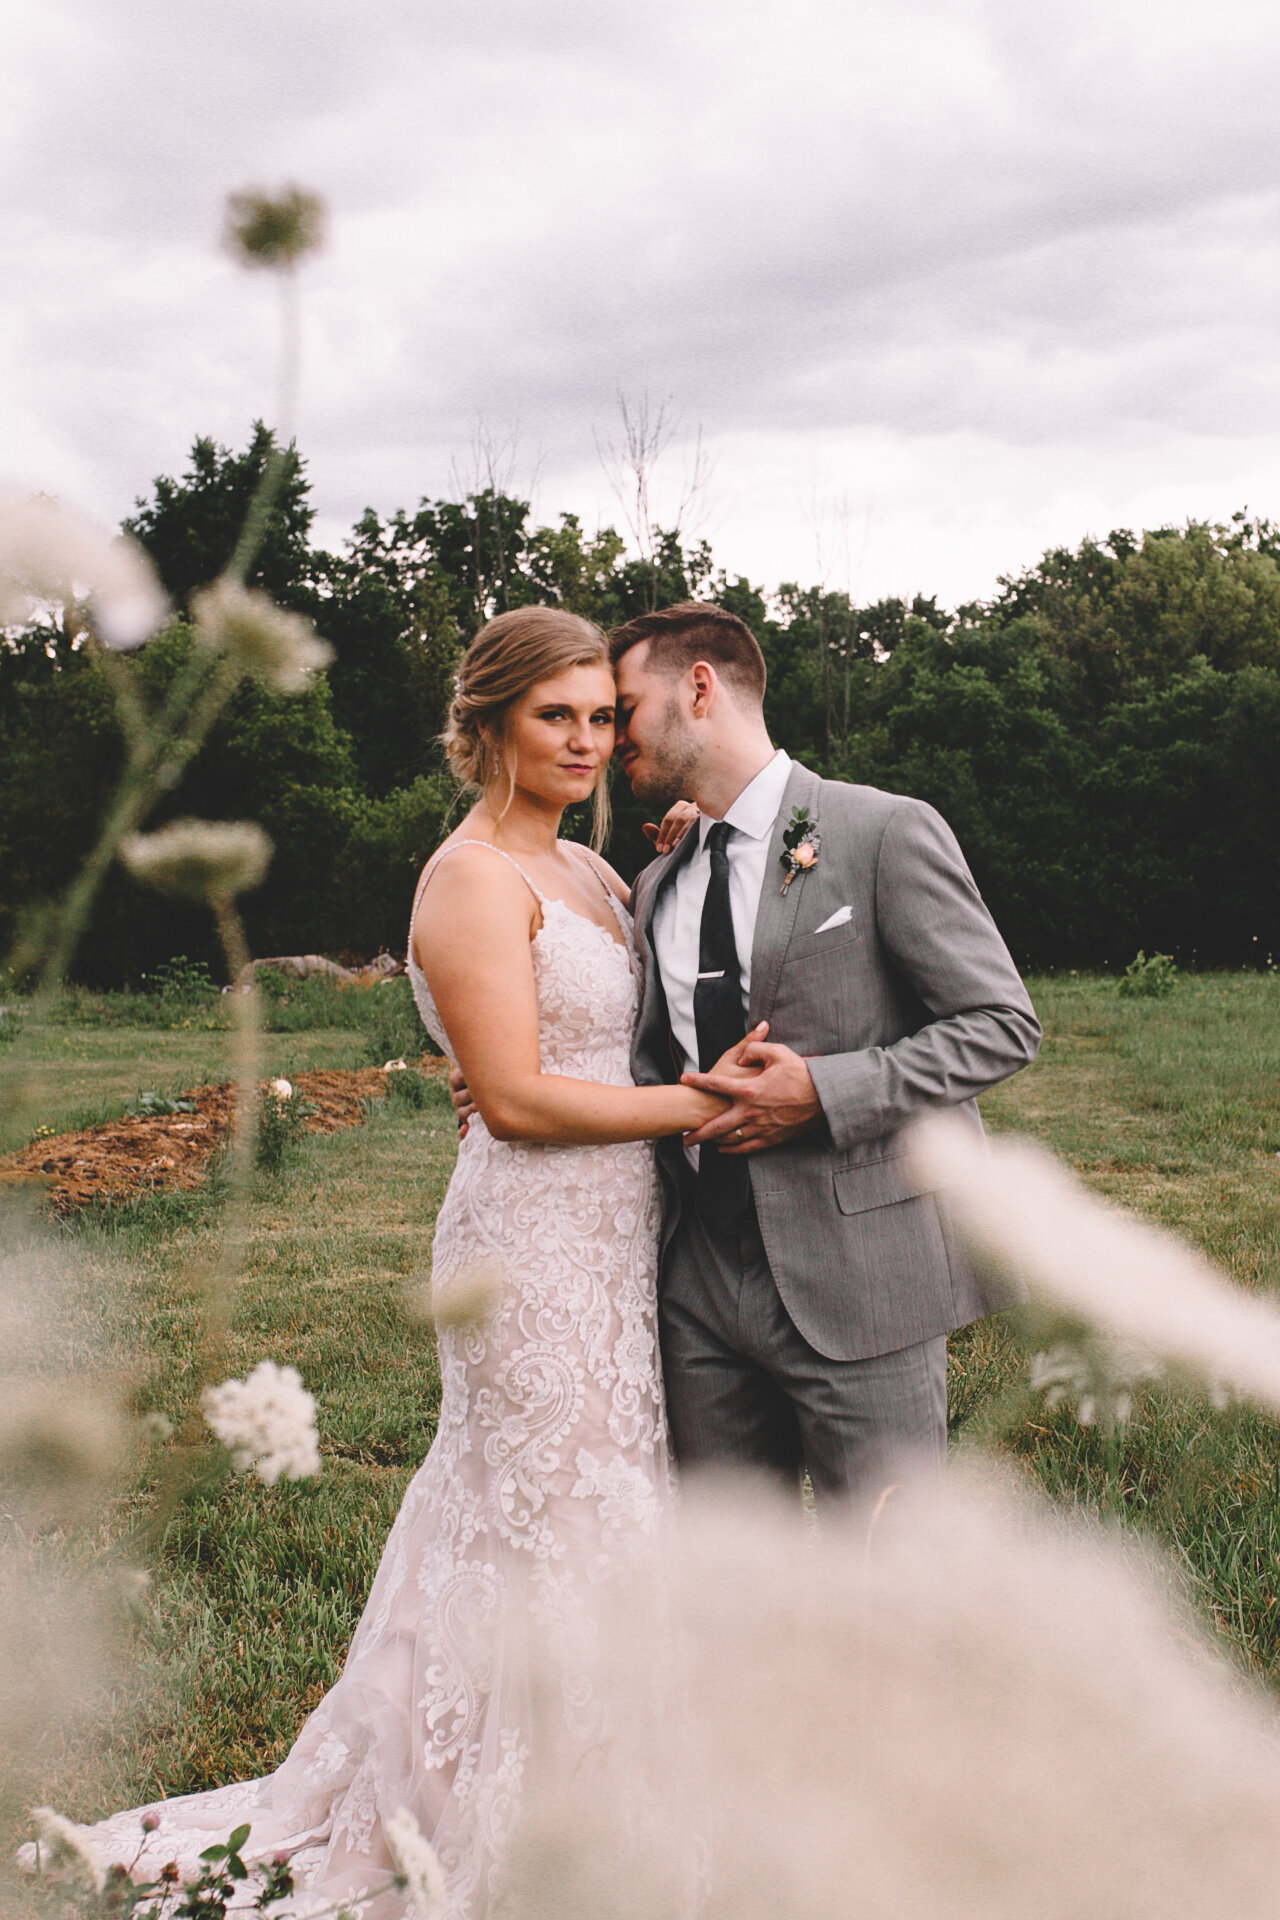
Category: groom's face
<point>656,744</point>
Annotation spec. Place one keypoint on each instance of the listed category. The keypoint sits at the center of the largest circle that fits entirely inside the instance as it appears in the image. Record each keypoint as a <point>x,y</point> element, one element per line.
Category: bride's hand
<point>730,1063</point>
<point>729,1068</point>
<point>675,823</point>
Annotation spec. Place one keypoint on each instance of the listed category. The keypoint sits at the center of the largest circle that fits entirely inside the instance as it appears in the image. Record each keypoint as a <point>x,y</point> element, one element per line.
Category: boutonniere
<point>801,841</point>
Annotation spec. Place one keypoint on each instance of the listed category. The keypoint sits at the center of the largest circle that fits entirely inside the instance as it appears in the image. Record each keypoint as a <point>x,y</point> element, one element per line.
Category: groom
<point>806,1286</point>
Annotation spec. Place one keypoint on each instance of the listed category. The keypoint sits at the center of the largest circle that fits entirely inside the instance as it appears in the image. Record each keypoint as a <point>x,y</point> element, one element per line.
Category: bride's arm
<point>472,940</point>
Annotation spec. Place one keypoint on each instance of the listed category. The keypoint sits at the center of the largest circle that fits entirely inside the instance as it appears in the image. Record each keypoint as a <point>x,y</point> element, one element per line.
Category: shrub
<point>180,979</point>
<point>1149,977</point>
<point>406,1087</point>
<point>279,1130</point>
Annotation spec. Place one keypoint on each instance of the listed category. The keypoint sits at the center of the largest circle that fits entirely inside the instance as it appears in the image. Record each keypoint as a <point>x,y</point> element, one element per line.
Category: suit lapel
<point>776,914</point>
<point>655,877</point>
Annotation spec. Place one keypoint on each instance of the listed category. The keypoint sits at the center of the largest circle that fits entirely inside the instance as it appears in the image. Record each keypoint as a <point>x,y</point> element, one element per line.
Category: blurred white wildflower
<point>199,859</point>
<point>259,636</point>
<point>266,230</point>
<point>983,1715</point>
<point>463,1301</point>
<point>418,1865</point>
<point>267,1423</point>
<point>1019,1207</point>
<point>61,1844</point>
<point>1094,1377</point>
<point>60,1441</point>
<point>280,1089</point>
<point>133,1590</point>
<point>48,553</point>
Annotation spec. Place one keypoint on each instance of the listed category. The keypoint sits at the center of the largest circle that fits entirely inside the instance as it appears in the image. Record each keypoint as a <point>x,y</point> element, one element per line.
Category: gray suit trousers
<point>746,1391</point>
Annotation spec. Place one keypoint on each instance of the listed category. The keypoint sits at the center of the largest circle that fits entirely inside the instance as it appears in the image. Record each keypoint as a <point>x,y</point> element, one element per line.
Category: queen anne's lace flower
<point>266,230</point>
<point>1140,1287</point>
<point>418,1865</point>
<point>1094,1378</point>
<point>60,1843</point>
<point>48,553</point>
<point>267,1423</point>
<point>198,859</point>
<point>259,636</point>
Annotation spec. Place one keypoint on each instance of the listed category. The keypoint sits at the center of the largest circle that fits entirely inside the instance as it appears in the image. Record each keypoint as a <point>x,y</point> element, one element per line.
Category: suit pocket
<point>882,1183</point>
<point>813,946</point>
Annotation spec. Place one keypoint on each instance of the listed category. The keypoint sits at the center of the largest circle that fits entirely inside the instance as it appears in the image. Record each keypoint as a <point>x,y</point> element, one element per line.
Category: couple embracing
<point>681,1117</point>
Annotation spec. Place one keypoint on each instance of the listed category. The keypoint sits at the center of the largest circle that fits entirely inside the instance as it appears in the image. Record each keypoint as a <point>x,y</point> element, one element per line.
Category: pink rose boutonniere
<point>801,842</point>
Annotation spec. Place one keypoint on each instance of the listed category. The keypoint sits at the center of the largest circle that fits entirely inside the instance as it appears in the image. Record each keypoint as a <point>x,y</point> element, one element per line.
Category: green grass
<point>257,1590</point>
<point>84,1070</point>
<point>1171,1106</point>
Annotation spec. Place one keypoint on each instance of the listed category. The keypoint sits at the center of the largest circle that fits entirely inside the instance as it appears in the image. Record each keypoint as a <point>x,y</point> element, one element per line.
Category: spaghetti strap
<point>442,853</point>
<point>591,866</point>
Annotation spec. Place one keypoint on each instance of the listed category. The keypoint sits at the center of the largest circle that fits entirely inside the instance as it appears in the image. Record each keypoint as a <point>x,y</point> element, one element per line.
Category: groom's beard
<point>667,768</point>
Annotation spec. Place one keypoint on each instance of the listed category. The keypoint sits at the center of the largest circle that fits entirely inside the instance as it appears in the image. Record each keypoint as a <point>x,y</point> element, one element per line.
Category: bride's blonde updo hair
<point>510,654</point>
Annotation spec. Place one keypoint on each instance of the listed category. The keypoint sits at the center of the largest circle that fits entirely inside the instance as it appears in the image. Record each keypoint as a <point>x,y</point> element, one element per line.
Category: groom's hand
<point>773,1095</point>
<point>464,1107</point>
<point>672,828</point>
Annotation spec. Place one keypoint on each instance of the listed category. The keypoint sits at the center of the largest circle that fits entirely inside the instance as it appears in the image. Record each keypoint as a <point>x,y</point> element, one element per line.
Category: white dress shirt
<point>677,918</point>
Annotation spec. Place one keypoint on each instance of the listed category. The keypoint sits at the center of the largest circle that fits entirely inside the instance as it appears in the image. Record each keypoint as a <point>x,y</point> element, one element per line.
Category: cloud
<point>1043,237</point>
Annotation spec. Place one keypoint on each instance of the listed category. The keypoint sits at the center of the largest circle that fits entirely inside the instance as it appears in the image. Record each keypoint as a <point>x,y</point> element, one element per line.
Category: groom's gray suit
<point>828,1306</point>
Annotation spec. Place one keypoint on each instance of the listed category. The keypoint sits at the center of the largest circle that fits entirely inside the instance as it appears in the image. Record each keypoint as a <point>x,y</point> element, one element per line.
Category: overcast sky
<point>942,282</point>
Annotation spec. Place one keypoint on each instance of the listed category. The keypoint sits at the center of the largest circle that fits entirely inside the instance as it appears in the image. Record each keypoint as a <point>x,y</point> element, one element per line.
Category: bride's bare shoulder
<point>614,881</point>
<point>470,888</point>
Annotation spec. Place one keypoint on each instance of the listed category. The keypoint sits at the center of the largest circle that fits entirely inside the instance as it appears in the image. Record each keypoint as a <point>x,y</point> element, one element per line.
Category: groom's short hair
<point>694,630</point>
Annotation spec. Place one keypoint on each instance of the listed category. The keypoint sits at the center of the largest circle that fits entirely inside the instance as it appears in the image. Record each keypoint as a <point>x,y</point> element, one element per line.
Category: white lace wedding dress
<point>548,1467</point>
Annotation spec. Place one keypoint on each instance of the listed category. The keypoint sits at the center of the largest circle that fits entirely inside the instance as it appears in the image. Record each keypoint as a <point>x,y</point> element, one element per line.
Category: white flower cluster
<point>61,1844</point>
<point>418,1865</point>
<point>260,637</point>
<point>197,859</point>
<point>1141,1289</point>
<point>1095,1379</point>
<point>48,553</point>
<point>267,1423</point>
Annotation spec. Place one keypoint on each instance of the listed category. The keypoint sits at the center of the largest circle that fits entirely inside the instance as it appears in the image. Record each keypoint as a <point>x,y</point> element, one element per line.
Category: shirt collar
<point>756,807</point>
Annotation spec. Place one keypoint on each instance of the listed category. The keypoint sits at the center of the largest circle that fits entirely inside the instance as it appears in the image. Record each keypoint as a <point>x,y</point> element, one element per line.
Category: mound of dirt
<point>163,1153</point>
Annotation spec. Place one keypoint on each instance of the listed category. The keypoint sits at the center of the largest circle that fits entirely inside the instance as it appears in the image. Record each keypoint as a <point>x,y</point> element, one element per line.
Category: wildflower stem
<point>158,754</point>
<point>276,463</point>
<point>246,1037</point>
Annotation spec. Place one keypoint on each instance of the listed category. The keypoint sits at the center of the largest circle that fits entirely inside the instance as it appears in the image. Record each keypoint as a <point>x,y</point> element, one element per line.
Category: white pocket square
<point>837,919</point>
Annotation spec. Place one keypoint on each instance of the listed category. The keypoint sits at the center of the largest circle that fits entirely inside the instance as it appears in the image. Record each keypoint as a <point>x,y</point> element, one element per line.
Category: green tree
<point>190,526</point>
<point>1126,611</point>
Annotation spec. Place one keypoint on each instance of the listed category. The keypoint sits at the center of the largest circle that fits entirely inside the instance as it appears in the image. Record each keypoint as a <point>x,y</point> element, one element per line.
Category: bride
<point>550,1460</point>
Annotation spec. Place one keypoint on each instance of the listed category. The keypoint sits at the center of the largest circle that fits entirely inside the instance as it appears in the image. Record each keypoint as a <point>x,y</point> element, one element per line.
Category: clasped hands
<point>770,1090</point>
<point>771,1093</point>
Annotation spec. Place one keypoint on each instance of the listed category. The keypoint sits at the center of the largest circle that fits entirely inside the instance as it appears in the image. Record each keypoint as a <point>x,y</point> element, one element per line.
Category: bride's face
<point>560,734</point>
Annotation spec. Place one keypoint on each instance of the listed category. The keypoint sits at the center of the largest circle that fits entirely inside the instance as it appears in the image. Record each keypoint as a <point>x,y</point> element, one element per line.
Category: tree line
<point>1102,733</point>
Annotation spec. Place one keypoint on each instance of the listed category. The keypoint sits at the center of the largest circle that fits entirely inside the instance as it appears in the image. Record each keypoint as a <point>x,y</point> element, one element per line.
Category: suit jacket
<point>912,1003</point>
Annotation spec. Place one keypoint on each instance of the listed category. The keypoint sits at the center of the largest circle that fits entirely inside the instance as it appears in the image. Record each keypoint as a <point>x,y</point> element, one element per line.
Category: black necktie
<point>724,1185</point>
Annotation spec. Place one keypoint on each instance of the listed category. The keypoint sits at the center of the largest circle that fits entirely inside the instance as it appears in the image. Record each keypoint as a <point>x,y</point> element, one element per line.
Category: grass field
<point>1170,1106</point>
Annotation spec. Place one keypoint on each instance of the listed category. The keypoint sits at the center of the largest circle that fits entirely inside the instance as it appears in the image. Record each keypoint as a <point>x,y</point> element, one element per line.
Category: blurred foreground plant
<point>1090,1265</point>
<point>63,1437</point>
<point>78,1883</point>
